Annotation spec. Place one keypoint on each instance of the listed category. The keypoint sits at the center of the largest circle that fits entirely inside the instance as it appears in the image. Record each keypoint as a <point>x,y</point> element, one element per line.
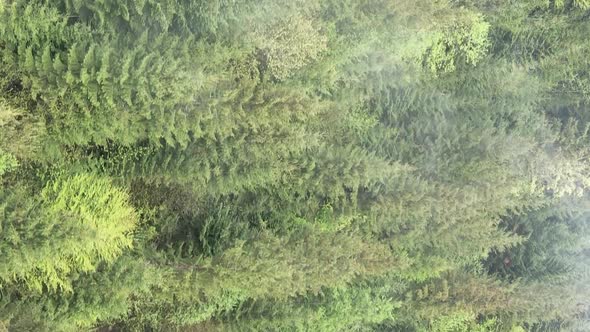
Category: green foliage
<point>7,162</point>
<point>305,261</point>
<point>83,81</point>
<point>335,310</point>
<point>101,296</point>
<point>461,322</point>
<point>337,165</point>
<point>464,41</point>
<point>74,224</point>
<point>21,135</point>
<point>289,44</point>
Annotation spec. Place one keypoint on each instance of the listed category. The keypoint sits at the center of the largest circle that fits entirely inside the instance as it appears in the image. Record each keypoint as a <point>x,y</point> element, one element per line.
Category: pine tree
<point>73,225</point>
<point>336,309</point>
<point>102,296</point>
<point>263,266</point>
<point>146,83</point>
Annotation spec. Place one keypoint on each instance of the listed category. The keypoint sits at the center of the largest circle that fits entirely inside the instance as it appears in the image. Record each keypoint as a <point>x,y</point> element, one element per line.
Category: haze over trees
<point>301,165</point>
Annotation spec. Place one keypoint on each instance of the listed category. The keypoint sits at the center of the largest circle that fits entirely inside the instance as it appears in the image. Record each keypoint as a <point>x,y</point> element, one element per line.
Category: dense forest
<point>295,165</point>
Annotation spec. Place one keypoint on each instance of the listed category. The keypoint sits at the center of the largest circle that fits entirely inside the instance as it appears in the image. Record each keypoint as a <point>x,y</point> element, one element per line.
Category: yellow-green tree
<point>69,227</point>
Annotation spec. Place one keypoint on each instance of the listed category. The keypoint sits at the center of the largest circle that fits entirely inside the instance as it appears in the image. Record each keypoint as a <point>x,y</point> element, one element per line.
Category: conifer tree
<point>101,296</point>
<point>73,225</point>
<point>335,310</point>
<point>264,266</point>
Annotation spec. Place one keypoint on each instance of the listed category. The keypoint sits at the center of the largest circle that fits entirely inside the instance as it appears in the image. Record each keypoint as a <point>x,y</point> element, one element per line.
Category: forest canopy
<point>295,165</point>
